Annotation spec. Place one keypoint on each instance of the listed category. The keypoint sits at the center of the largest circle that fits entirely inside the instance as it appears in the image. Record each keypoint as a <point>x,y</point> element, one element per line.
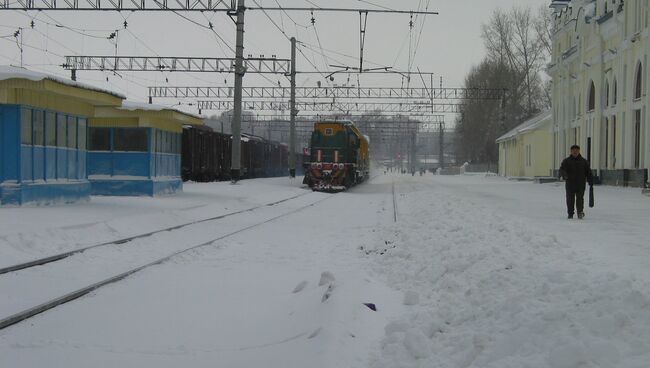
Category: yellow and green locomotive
<point>339,157</point>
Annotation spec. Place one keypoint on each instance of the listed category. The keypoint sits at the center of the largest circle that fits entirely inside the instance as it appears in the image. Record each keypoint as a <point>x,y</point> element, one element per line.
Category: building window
<point>606,102</point>
<point>60,130</point>
<point>99,139</point>
<point>130,139</point>
<point>638,85</point>
<point>26,126</point>
<point>592,98</point>
<point>613,161</point>
<point>615,94</point>
<point>82,135</point>
<point>606,144</point>
<point>72,132</point>
<point>637,139</point>
<point>39,128</point>
<point>50,129</point>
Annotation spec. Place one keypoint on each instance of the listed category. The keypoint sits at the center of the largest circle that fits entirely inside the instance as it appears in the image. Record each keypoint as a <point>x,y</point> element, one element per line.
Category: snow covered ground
<point>476,272</point>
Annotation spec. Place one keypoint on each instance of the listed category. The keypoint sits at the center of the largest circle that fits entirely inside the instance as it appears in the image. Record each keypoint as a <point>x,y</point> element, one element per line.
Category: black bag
<point>591,196</point>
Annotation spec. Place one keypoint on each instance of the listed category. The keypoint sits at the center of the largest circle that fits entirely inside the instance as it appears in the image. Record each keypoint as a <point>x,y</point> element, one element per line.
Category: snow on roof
<point>527,126</point>
<point>14,72</point>
<point>134,105</point>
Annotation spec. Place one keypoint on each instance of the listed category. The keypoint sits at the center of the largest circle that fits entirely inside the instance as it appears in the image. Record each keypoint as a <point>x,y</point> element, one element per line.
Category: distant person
<point>576,172</point>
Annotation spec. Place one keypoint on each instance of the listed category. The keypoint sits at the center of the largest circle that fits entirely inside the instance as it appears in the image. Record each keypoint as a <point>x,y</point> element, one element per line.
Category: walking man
<point>576,172</point>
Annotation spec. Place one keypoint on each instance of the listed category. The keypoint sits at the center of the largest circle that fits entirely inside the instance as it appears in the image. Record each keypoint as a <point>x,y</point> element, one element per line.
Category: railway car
<point>206,156</point>
<point>201,154</point>
<point>339,157</point>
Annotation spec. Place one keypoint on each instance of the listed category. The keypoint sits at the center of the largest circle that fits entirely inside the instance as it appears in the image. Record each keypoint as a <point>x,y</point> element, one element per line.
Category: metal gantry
<point>175,64</point>
<point>376,118</point>
<point>119,5</point>
<point>330,92</point>
<point>336,107</point>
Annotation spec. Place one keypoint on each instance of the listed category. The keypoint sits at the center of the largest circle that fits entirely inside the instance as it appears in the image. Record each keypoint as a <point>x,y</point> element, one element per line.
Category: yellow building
<point>600,70</point>
<point>527,150</point>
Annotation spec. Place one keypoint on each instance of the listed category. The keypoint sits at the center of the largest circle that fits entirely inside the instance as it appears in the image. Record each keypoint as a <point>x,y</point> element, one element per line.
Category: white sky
<point>450,43</point>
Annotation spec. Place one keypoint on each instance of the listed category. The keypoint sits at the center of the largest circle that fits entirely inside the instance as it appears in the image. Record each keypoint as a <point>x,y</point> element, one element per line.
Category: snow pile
<point>495,293</point>
<point>13,72</point>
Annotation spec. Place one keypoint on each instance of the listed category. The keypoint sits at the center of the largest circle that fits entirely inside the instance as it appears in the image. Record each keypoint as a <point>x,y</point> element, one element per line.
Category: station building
<point>527,150</point>
<point>135,149</point>
<point>43,123</point>
<point>63,141</point>
<point>600,93</point>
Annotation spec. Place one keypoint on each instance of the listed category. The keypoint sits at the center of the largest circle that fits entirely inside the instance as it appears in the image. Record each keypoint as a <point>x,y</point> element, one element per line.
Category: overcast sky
<point>450,43</point>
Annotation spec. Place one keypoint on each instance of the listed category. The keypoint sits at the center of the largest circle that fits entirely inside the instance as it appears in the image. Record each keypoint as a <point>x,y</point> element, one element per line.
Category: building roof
<point>13,72</point>
<point>133,106</point>
<point>531,124</point>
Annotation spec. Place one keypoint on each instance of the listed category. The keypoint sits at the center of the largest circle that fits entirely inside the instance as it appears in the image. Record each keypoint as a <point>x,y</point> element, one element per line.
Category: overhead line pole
<point>235,166</point>
<point>294,112</point>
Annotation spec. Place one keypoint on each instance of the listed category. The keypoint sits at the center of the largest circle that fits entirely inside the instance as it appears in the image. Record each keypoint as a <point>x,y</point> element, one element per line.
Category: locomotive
<point>339,157</point>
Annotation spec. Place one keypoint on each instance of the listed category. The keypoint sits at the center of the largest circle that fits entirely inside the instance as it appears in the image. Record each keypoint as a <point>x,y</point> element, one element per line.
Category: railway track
<point>394,204</point>
<point>68,297</point>
<point>60,256</point>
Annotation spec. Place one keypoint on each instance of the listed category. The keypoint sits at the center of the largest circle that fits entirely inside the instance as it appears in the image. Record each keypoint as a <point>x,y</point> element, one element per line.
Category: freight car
<point>339,157</point>
<point>206,156</point>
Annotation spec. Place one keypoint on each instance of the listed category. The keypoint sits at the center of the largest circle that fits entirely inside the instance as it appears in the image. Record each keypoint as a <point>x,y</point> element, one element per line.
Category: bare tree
<point>521,39</point>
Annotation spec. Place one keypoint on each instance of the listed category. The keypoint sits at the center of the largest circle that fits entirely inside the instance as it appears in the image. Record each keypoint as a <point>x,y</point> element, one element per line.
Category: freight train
<point>339,157</point>
<point>206,156</point>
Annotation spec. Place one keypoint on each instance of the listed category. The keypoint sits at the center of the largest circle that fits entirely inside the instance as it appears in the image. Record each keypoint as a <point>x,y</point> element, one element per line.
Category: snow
<point>129,105</point>
<point>531,124</point>
<point>506,284</point>
<point>14,72</point>
<point>478,271</point>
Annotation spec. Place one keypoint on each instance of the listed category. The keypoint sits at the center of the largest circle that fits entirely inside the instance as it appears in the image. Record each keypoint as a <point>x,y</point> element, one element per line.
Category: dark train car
<point>206,156</point>
<point>200,159</point>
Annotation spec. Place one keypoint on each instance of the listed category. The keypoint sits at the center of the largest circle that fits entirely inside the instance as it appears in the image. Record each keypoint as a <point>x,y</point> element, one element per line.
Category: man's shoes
<point>581,215</point>
<point>570,216</point>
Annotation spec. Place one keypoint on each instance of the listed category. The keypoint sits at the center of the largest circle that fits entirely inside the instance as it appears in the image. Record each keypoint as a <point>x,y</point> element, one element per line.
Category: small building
<point>135,149</point>
<point>43,123</point>
<point>527,150</point>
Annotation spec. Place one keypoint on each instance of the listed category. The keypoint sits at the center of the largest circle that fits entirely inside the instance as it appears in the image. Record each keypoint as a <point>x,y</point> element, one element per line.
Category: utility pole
<point>414,152</point>
<point>441,157</point>
<point>294,112</point>
<point>239,81</point>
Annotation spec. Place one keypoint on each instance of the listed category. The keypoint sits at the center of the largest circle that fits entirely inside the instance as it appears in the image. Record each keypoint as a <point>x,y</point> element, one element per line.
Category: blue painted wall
<point>154,171</point>
<point>30,171</point>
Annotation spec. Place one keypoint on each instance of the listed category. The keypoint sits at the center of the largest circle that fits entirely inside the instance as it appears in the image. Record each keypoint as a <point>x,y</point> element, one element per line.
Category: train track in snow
<point>64,255</point>
<point>68,297</point>
<point>394,203</point>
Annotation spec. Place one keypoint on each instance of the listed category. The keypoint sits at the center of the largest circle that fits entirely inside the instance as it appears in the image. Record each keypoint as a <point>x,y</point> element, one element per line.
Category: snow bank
<point>496,293</point>
<point>134,106</point>
<point>14,72</point>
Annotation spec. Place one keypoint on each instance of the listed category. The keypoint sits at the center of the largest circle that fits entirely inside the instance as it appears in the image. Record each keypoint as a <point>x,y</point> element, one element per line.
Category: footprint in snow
<point>326,278</point>
<point>300,287</point>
